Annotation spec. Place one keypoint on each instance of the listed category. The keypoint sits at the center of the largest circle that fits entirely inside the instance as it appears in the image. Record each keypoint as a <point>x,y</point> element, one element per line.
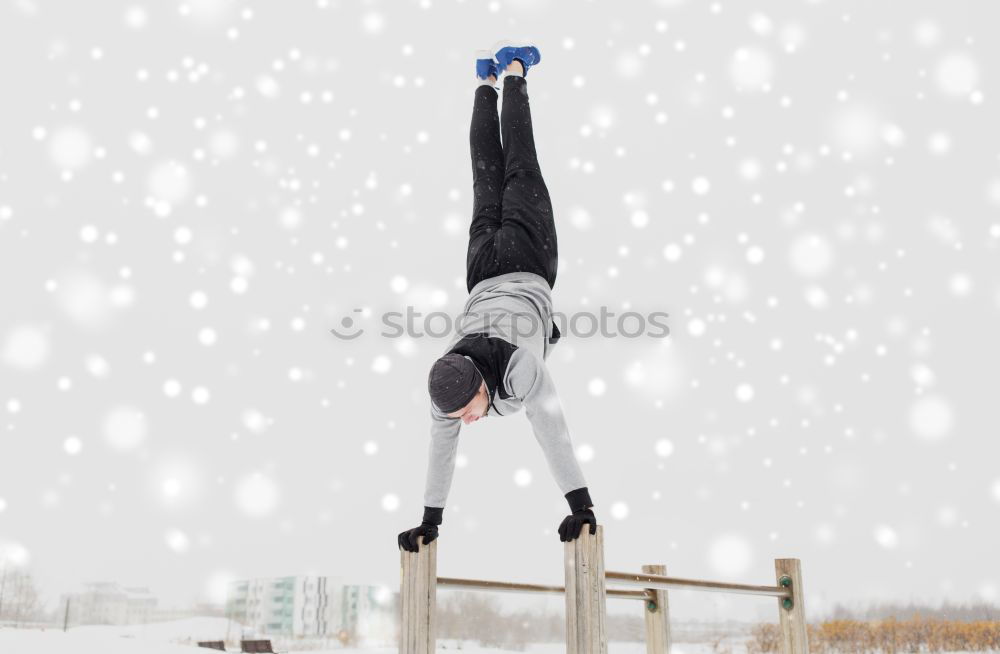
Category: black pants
<point>512,224</point>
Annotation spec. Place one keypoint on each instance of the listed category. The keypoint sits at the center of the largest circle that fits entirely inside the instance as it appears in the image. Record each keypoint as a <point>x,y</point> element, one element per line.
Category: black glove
<point>572,525</point>
<point>408,540</point>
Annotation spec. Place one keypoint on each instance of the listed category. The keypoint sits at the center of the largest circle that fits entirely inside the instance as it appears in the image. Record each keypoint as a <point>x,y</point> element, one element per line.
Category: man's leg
<point>518,137</point>
<point>528,241</point>
<point>487,185</point>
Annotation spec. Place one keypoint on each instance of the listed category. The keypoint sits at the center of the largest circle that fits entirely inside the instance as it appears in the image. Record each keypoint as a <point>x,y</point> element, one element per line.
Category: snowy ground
<point>107,641</point>
<point>163,637</point>
<point>156,639</point>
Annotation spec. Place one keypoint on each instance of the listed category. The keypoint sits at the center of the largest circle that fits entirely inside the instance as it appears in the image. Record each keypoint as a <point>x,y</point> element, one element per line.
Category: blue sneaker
<point>506,51</point>
<point>485,65</point>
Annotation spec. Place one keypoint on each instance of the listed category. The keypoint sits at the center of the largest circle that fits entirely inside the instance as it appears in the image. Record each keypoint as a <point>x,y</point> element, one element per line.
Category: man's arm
<point>440,467</point>
<point>529,379</point>
<point>441,460</point>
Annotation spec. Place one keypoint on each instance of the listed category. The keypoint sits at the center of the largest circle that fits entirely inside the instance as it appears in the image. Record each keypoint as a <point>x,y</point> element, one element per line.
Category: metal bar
<point>658,581</point>
<point>513,587</point>
<point>500,586</point>
<point>645,581</point>
<point>621,593</point>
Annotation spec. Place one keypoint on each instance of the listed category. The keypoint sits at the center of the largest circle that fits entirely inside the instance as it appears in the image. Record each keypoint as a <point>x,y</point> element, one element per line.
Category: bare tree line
<point>479,617</point>
<point>19,598</point>
<point>972,612</point>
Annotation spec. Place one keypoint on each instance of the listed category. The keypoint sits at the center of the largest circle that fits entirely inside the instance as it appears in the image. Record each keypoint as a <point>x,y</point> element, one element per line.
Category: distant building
<point>105,602</point>
<point>199,610</point>
<point>305,606</point>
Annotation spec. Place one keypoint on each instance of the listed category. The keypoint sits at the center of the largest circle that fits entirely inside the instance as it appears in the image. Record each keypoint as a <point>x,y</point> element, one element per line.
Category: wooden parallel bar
<point>657,615</point>
<point>586,594</point>
<point>514,587</point>
<point>792,611</point>
<point>659,581</point>
<point>417,595</point>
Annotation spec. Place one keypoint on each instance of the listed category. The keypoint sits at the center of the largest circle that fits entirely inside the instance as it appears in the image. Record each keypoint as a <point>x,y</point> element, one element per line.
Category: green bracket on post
<point>786,582</point>
<point>651,606</point>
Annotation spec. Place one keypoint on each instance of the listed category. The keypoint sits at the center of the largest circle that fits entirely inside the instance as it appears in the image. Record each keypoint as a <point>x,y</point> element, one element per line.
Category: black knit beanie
<point>453,381</point>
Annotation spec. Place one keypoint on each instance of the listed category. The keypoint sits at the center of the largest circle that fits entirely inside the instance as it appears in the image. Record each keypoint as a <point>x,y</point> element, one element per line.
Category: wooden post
<point>586,607</point>
<point>792,610</point>
<point>657,615</point>
<point>418,597</point>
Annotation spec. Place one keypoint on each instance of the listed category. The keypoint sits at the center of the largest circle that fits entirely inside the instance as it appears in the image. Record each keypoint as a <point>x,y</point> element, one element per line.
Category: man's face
<point>475,409</point>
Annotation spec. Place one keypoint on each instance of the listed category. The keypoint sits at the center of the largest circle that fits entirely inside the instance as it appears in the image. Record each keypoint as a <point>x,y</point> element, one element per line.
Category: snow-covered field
<point>155,638</point>
<point>164,637</point>
<point>97,641</point>
<point>160,638</point>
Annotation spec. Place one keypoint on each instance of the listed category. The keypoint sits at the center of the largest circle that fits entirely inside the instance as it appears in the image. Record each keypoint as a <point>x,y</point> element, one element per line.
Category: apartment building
<point>303,606</point>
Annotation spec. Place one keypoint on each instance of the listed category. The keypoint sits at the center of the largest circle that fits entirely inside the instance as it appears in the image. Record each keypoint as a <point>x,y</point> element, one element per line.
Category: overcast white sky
<point>193,194</point>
